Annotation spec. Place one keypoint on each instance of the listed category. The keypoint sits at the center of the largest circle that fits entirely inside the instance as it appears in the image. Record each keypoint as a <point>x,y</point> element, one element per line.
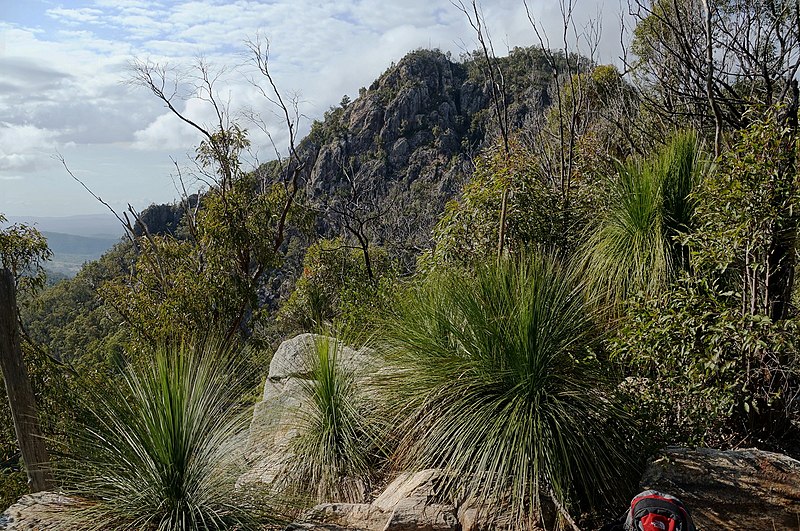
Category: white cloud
<point>17,161</point>
<point>62,76</point>
<point>128,4</point>
<point>24,149</point>
<point>24,138</point>
<point>76,16</point>
<point>167,132</point>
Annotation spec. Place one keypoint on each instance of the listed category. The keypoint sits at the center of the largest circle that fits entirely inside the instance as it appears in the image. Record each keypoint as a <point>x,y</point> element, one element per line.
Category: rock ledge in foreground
<point>731,490</point>
<point>35,512</point>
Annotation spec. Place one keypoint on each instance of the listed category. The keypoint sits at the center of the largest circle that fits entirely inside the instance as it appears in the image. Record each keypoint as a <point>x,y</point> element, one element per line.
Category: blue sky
<point>63,67</point>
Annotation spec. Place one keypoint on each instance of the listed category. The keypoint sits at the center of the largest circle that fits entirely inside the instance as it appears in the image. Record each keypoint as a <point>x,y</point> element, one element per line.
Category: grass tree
<point>635,247</point>
<point>158,448</point>
<point>499,386</point>
<point>337,450</point>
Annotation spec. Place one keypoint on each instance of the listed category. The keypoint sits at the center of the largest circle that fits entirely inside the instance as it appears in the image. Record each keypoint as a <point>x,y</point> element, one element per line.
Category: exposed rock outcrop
<point>273,427</point>
<point>42,511</point>
<point>405,145</point>
<point>412,502</point>
<point>731,490</point>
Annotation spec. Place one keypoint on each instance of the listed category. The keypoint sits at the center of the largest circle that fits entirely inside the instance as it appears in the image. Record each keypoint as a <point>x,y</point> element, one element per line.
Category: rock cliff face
<point>405,127</point>
<point>405,146</point>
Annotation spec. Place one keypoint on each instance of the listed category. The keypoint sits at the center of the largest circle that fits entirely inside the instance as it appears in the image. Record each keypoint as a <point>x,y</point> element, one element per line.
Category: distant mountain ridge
<point>70,252</point>
<point>104,226</point>
<point>61,243</point>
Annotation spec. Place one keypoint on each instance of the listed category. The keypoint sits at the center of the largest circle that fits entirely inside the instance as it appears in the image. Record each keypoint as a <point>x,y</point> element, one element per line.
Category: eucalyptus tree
<point>209,276</point>
<point>706,61</point>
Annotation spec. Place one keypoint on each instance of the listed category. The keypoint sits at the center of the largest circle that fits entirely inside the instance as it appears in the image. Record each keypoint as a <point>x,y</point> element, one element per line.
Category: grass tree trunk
<point>19,391</point>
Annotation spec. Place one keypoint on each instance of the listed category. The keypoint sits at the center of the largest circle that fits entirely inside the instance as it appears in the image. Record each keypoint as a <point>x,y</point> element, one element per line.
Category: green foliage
<point>703,373</point>
<point>158,448</point>
<point>748,214</point>
<point>468,230</point>
<point>221,152</point>
<point>13,480</point>
<point>72,323</point>
<point>633,248</point>
<point>523,68</point>
<point>711,361</point>
<point>332,126</point>
<point>678,84</point>
<point>210,280</point>
<point>552,179</point>
<point>498,384</point>
<point>336,453</point>
<point>22,251</point>
<point>13,485</point>
<point>653,35</point>
<point>588,126</point>
<point>335,286</point>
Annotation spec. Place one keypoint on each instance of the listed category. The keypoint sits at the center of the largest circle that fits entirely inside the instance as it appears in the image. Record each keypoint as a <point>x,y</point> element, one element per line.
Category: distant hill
<point>103,226</point>
<point>74,240</point>
<point>81,245</point>
<point>70,252</point>
<point>408,141</point>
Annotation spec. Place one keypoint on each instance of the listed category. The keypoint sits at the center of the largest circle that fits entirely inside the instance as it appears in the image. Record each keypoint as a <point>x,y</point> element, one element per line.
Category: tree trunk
<point>19,391</point>
<point>501,235</point>
<point>710,82</point>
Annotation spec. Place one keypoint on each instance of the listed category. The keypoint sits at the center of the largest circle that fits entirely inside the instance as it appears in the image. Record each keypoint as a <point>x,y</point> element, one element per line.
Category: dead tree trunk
<point>19,391</point>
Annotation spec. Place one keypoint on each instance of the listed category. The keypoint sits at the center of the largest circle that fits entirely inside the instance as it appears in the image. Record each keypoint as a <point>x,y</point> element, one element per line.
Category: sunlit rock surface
<point>731,490</point>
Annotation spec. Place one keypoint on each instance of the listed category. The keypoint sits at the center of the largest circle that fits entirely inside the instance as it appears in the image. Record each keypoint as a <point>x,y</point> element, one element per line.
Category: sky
<point>65,68</point>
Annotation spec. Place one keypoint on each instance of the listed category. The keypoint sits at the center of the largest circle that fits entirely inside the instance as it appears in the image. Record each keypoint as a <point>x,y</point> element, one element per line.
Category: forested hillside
<point>548,270</point>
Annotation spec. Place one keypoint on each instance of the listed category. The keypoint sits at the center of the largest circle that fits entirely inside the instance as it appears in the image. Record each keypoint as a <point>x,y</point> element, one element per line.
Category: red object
<point>655,511</point>
<point>656,522</point>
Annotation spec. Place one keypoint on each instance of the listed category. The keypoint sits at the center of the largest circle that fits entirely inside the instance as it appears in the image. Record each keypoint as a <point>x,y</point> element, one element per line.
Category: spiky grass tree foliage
<point>158,448</point>
<point>634,247</point>
<point>337,449</point>
<point>499,387</point>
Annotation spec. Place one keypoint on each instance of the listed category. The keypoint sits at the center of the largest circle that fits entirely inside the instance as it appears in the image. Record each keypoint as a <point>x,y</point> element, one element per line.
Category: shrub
<point>335,455</point>
<point>158,449</point>
<point>703,373</point>
<point>497,373</point>
<point>335,286</point>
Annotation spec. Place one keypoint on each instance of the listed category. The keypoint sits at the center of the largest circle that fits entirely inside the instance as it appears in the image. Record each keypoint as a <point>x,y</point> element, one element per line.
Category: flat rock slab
<point>410,503</point>
<point>42,511</point>
<point>731,490</point>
